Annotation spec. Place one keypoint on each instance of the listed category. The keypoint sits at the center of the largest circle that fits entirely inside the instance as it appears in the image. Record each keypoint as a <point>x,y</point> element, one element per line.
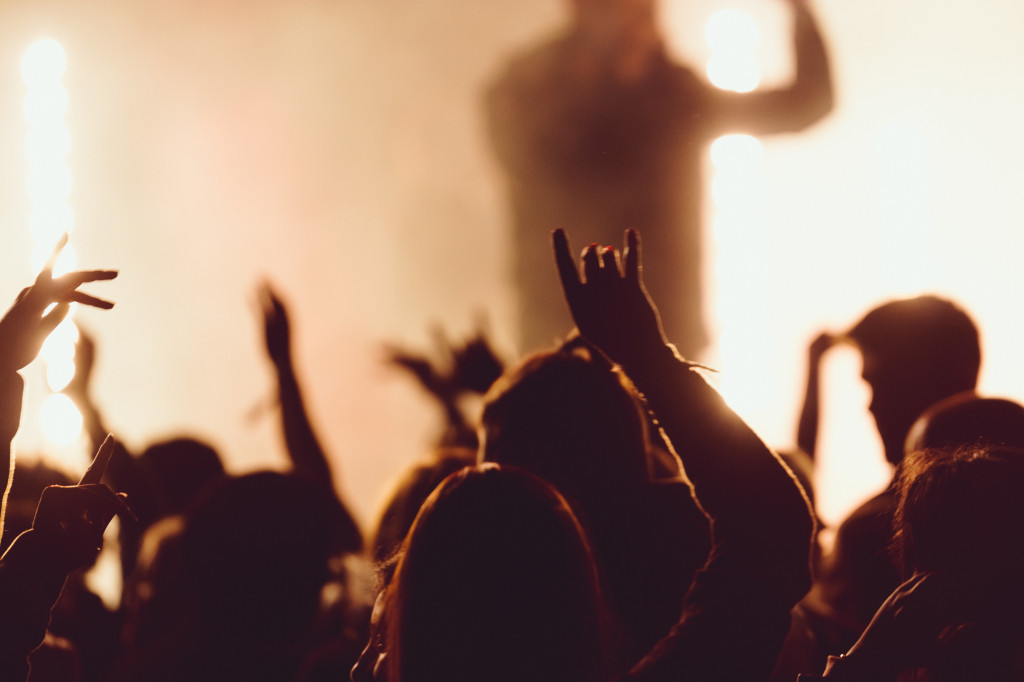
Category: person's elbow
<point>810,108</point>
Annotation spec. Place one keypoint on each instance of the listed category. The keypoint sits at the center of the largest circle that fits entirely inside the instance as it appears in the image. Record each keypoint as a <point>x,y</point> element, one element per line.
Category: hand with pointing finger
<point>74,517</point>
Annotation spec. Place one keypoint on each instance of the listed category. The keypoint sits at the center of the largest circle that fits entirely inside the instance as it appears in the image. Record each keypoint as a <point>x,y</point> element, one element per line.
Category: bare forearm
<point>308,457</point>
<point>303,446</point>
<point>813,79</point>
<point>807,428</point>
<point>737,478</point>
<point>11,394</point>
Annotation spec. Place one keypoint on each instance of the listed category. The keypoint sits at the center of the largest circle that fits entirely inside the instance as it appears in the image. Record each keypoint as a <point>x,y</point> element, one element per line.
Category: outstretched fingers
<point>631,256</point>
<point>64,289</point>
<point>99,463</point>
<point>73,280</point>
<point>567,271</point>
<point>598,265</point>
<point>610,261</point>
<point>85,299</point>
<point>591,263</point>
<point>51,262</point>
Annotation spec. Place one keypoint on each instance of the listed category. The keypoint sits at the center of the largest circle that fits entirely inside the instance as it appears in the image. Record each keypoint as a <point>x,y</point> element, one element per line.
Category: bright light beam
<point>732,35</point>
<point>49,186</point>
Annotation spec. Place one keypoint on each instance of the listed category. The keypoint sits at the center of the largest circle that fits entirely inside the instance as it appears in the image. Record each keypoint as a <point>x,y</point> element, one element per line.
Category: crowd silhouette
<point>611,518</point>
<point>592,510</point>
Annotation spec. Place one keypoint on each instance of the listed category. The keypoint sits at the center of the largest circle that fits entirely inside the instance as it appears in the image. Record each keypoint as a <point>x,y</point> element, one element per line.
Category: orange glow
<point>60,419</point>
<point>49,187</point>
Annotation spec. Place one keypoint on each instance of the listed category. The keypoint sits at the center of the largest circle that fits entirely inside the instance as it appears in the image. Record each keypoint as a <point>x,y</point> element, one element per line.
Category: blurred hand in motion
<point>821,344</point>
<point>276,330</point>
<point>469,367</point>
<point>85,359</point>
<point>475,364</point>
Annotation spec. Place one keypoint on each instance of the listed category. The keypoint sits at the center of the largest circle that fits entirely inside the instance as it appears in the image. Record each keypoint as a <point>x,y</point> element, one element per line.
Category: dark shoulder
<point>678,80</point>
<point>531,66</point>
<point>872,519</point>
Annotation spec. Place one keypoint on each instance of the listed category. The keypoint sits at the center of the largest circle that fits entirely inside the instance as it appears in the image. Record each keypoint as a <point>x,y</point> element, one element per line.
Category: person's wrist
<point>852,666</point>
<point>652,355</point>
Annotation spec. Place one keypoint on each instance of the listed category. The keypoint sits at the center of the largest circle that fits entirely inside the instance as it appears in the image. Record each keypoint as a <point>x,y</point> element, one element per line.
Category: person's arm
<point>66,535</point>
<point>69,522</point>
<point>123,472</point>
<point>467,368</point>
<point>761,522</point>
<point>905,633</point>
<point>437,384</point>
<point>807,428</point>
<point>735,475</point>
<point>79,389</point>
<point>304,449</point>
<point>808,98</point>
<point>36,312</point>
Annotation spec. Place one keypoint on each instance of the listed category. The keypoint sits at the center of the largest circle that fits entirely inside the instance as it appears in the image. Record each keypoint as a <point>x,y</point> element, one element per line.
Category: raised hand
<point>807,426</point>
<point>475,365</point>
<point>24,327</point>
<point>277,331</point>
<point>85,360</point>
<point>607,299</point>
<point>906,630</point>
<point>821,343</point>
<point>75,516</point>
<point>421,367</point>
<point>457,368</point>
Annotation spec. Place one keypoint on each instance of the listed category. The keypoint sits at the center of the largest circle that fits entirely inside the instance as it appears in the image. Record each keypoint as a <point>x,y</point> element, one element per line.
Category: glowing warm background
<point>336,148</point>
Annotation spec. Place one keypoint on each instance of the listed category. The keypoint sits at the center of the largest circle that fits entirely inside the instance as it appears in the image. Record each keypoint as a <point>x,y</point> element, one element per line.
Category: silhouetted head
<point>609,21</point>
<point>961,515</point>
<point>968,419</point>
<point>916,352</point>
<point>625,11</point>
<point>413,488</point>
<point>570,418</point>
<point>961,510</point>
<point>254,556</point>
<point>178,469</point>
<point>495,582</point>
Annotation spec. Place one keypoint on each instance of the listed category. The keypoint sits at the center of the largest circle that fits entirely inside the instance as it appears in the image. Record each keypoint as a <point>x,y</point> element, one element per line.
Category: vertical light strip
<point>906,241</point>
<point>47,145</point>
<point>737,191</point>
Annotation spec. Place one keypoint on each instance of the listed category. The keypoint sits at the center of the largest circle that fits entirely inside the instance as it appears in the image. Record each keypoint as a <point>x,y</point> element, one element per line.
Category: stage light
<point>43,62</point>
<point>61,342</point>
<point>45,102</point>
<point>49,223</point>
<point>47,144</point>
<point>732,35</point>
<point>59,373</point>
<point>736,72</point>
<point>731,30</point>
<point>736,151</point>
<point>50,185</point>
<point>60,419</point>
<point>66,261</point>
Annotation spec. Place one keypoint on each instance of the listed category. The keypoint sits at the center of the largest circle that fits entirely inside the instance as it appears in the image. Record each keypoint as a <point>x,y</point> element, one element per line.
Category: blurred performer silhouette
<point>597,130</point>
